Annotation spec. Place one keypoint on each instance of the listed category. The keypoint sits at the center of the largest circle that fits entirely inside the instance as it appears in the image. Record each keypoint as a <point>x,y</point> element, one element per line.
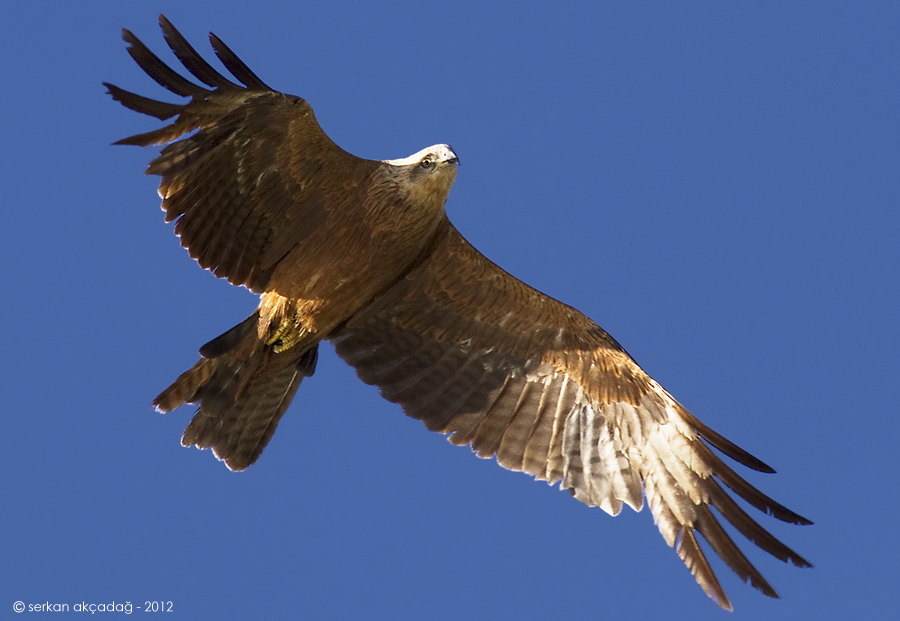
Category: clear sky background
<point>716,184</point>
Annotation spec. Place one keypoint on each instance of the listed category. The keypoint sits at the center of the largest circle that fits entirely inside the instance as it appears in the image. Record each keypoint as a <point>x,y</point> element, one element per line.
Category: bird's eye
<point>426,163</point>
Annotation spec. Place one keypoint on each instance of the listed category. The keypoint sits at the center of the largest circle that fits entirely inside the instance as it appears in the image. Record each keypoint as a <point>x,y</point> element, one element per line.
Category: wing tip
<point>695,560</point>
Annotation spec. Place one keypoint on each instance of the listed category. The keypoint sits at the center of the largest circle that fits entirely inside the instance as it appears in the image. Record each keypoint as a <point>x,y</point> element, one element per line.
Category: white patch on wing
<point>674,474</point>
<point>599,463</point>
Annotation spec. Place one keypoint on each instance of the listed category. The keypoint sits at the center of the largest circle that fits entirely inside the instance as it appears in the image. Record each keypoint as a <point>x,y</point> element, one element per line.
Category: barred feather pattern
<point>256,178</point>
<point>581,413</point>
<point>241,403</point>
<point>262,197</point>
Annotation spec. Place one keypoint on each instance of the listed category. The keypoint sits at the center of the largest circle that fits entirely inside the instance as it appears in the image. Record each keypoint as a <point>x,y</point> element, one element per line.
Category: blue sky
<point>716,184</point>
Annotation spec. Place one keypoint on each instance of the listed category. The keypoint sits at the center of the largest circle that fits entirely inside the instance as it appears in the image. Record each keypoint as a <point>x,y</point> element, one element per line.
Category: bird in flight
<point>360,253</point>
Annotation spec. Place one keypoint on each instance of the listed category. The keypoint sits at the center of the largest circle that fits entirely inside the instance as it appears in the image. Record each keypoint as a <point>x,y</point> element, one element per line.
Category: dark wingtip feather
<point>695,560</point>
<point>725,445</point>
<point>748,527</point>
<point>138,140</point>
<point>236,66</point>
<point>158,70</point>
<point>742,488</point>
<point>160,109</point>
<point>729,552</point>
<point>158,136</point>
<point>189,57</point>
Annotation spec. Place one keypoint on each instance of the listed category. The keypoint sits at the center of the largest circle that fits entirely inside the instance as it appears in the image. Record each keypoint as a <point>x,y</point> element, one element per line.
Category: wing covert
<point>247,174</point>
<point>477,354</point>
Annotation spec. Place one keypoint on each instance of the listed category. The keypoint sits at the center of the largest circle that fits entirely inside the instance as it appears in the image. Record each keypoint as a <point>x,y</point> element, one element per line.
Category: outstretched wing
<point>258,176</point>
<point>473,352</point>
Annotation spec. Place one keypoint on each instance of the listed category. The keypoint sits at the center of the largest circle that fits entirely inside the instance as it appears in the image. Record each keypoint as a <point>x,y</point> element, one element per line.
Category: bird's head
<point>429,174</point>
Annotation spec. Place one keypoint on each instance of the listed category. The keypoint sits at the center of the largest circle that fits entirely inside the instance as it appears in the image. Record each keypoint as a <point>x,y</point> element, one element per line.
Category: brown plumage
<point>361,253</point>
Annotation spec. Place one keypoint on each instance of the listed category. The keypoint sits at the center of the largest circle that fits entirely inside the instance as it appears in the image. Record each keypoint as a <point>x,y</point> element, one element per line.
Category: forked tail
<point>243,392</point>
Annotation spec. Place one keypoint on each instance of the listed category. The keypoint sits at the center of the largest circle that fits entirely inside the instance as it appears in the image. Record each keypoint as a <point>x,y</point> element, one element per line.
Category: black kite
<point>361,253</point>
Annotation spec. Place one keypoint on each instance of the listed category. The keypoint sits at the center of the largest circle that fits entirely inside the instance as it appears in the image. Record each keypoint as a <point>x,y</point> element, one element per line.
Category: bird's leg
<point>286,335</point>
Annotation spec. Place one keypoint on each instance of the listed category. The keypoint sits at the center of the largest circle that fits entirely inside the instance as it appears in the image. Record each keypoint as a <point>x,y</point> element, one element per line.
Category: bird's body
<point>361,253</point>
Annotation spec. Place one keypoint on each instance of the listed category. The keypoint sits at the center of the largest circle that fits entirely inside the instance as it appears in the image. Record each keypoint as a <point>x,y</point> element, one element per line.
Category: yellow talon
<point>283,338</point>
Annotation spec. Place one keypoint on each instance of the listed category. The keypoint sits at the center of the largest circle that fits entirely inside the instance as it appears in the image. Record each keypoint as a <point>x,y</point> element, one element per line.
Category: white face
<point>442,153</point>
<point>425,179</point>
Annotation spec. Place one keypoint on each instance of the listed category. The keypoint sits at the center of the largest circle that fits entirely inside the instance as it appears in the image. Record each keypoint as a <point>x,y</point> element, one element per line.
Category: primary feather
<point>360,253</point>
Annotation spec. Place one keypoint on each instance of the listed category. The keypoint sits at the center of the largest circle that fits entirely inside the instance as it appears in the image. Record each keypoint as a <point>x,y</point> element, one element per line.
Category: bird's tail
<point>243,391</point>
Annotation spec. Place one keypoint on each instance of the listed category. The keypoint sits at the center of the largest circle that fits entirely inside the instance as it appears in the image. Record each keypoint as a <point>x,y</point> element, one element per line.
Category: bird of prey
<point>360,253</point>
